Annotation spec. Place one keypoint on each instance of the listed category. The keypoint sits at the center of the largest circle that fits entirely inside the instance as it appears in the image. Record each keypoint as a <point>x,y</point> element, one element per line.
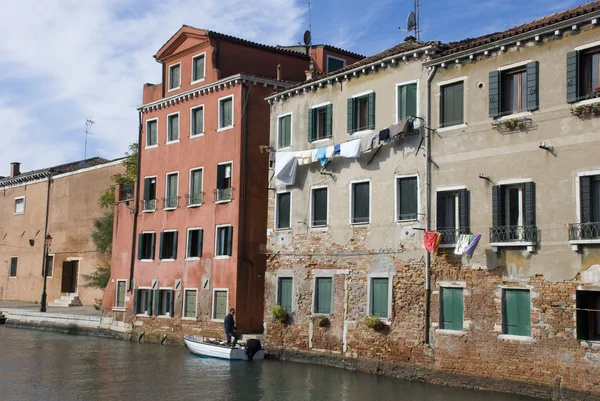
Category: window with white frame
<point>49,265</point>
<point>197,121</point>
<point>285,130</point>
<point>171,194</point>
<point>198,65</point>
<point>224,189</point>
<point>452,214</point>
<point>173,128</point>
<point>149,203</point>
<point>190,302</point>
<point>152,132</point>
<point>219,304</point>
<point>19,205</point>
<point>407,100</point>
<point>407,198</point>
<point>174,76</point>
<point>165,302</point>
<point>320,122</point>
<point>146,244</point>
<point>319,207</point>
<point>283,210</point>
<point>334,63</point>
<point>143,302</point>
<point>224,241</point>
<point>168,245</point>
<point>195,195</point>
<point>452,104</point>
<point>360,202</point>
<point>226,112</point>
<point>194,243</point>
<point>284,292</point>
<point>379,297</point>
<point>323,295</point>
<point>120,294</point>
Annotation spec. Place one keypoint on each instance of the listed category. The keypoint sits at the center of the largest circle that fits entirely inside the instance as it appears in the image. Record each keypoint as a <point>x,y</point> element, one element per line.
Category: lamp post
<point>47,243</point>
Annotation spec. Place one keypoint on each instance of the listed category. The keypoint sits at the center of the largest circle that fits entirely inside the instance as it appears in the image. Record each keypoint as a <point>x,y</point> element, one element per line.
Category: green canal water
<point>47,366</point>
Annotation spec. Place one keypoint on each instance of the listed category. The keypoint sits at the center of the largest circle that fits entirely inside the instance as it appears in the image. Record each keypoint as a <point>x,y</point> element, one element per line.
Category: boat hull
<point>198,346</point>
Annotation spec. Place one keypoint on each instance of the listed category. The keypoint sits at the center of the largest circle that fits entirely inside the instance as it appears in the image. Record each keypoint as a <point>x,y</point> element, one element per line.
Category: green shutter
<point>361,202</point>
<point>175,245</point>
<point>311,129</point>
<point>323,295</point>
<point>229,243</point>
<point>146,188</point>
<point>532,74</point>
<point>529,195</point>
<point>172,303</point>
<point>379,297</point>
<point>497,206</point>
<point>189,243</point>
<point>319,207</point>
<point>585,190</point>
<point>407,101</point>
<point>494,93</point>
<point>452,308</point>
<point>328,121</point>
<point>371,103</point>
<point>463,206</point>
<point>285,126</point>
<point>157,301</point>
<point>283,210</point>
<point>140,249</point>
<point>285,293</point>
<point>200,239</point>
<point>441,223</point>
<point>350,115</point>
<point>221,176</point>
<point>572,76</point>
<point>517,315</point>
<point>161,245</point>
<point>153,245</point>
<point>135,301</point>
<point>407,198</point>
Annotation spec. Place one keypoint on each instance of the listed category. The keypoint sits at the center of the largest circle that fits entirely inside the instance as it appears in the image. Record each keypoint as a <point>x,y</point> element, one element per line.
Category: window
<point>194,243</point>
<point>146,243</point>
<point>452,104</point>
<point>323,292</point>
<point>198,68</point>
<point>171,199</point>
<point>514,91</point>
<point>173,128</point>
<point>583,74</point>
<point>513,213</point>
<point>224,241</point>
<point>334,63</point>
<point>165,302</point>
<point>588,315</point>
<point>283,209</point>
<point>13,266</point>
<point>285,131</point>
<point>226,112</point>
<point>407,101</point>
<point>452,214</point>
<point>152,132</point>
<point>143,302</point>
<point>360,202</point>
<point>284,293</point>
<point>224,190</point>
<point>361,113</point>
<point>168,245</point>
<point>379,297</point>
<point>174,76</point>
<point>195,196</point>
<point>407,198</point>
<point>49,265</point>
<point>319,207</point>
<point>451,308</point>
<point>589,209</point>
<point>516,312</point>
<point>219,305</point>
<point>189,303</point>
<point>149,194</point>
<point>197,121</point>
<point>319,122</point>
<point>20,205</point>
<point>120,294</point>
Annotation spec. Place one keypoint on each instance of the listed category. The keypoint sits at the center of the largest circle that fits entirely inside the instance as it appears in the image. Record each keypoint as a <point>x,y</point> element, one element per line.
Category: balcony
<point>193,200</point>
<point>149,205</point>
<point>170,203</point>
<point>449,237</point>
<point>583,233</point>
<point>223,194</point>
<point>516,236</point>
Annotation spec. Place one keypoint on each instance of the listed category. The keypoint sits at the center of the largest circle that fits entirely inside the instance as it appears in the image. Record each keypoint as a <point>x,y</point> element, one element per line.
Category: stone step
<point>2,318</point>
<point>66,301</point>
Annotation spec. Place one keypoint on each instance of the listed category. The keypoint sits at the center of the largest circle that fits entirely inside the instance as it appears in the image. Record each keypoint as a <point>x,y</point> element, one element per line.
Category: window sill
<point>217,320</point>
<point>514,115</point>
<point>194,205</point>
<point>224,201</point>
<point>360,224</point>
<point>284,148</point>
<point>447,246</point>
<point>319,228</point>
<point>168,209</point>
<point>164,317</point>
<point>225,128</point>
<point>222,257</point>
<point>196,135</point>
<point>142,315</point>
<point>452,127</point>
<point>191,259</point>
<point>167,260</point>
<point>315,314</point>
<point>172,142</point>
<point>362,132</point>
<point>512,337</point>
<point>449,332</point>
<point>12,277</point>
<point>585,102</point>
<point>19,214</point>
<point>282,229</point>
<point>576,244</point>
<point>189,318</point>
<point>322,140</point>
<point>174,89</point>
<point>119,309</point>
<point>407,221</point>
<point>147,260</point>
<point>149,211</point>
<point>151,146</point>
<point>198,81</point>
<point>523,244</point>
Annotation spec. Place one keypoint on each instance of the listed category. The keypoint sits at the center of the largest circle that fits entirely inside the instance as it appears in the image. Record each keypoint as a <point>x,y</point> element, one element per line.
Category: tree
<point>131,167</point>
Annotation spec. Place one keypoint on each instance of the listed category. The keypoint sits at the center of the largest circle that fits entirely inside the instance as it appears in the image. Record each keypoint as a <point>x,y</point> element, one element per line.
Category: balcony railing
<point>584,231</point>
<point>125,192</point>
<point>514,234</point>
<point>149,205</point>
<point>450,236</point>
<point>171,203</point>
<point>195,199</point>
<point>223,194</point>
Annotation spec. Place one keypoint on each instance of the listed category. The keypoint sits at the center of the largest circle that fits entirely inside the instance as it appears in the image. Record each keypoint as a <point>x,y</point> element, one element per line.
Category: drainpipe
<point>47,218</point>
<point>137,200</point>
<point>428,203</point>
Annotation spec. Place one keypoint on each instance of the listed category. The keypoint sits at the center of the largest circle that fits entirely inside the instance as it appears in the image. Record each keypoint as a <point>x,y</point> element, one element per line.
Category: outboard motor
<point>252,347</point>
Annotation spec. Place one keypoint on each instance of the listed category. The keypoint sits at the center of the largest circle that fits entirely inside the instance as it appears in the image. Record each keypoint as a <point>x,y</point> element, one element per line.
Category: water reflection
<point>45,366</point>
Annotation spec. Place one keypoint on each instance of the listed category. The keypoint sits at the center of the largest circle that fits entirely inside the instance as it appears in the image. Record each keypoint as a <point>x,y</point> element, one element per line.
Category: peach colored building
<point>65,196</point>
<point>189,247</point>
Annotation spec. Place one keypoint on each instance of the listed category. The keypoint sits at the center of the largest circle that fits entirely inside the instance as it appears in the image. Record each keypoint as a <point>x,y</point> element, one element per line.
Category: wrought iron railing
<point>125,192</point>
<point>195,199</point>
<point>149,205</point>
<point>450,236</point>
<point>514,234</point>
<point>583,231</point>
<point>223,194</point>
<point>171,202</point>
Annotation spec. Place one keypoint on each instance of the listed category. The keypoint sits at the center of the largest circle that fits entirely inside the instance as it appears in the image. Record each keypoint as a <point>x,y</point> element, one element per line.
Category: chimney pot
<point>15,169</point>
<point>279,72</point>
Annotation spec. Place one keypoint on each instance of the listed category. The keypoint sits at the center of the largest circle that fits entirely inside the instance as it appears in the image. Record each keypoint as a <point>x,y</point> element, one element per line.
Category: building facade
<point>200,223</point>
<point>503,147</point>
<point>66,197</point>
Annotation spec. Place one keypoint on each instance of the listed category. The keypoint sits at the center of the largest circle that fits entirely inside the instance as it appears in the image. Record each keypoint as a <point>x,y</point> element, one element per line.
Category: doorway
<point>69,276</point>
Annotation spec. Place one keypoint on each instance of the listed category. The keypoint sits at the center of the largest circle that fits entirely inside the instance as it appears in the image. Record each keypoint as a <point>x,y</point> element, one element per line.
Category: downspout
<point>428,203</point>
<point>243,186</point>
<point>46,224</point>
<point>137,200</point>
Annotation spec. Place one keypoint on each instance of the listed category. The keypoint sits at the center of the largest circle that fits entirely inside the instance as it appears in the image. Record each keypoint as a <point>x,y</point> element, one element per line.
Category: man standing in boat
<point>230,329</point>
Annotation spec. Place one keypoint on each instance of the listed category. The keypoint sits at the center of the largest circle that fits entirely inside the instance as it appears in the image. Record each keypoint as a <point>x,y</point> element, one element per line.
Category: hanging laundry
<point>321,157</point>
<point>462,243</point>
<point>384,135</point>
<point>399,128</point>
<point>429,241</point>
<point>336,149</point>
<point>437,243</point>
<point>313,155</point>
<point>350,149</point>
<point>285,168</point>
<point>472,246</point>
<point>330,151</point>
<point>304,157</point>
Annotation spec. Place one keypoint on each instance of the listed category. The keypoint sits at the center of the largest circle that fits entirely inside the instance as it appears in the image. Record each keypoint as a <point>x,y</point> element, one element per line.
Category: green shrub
<point>321,321</point>
<point>279,313</point>
<point>373,322</point>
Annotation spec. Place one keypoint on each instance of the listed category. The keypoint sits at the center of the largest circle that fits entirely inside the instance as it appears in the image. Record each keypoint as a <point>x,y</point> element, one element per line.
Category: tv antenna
<point>308,37</point>
<point>412,22</point>
<point>88,123</point>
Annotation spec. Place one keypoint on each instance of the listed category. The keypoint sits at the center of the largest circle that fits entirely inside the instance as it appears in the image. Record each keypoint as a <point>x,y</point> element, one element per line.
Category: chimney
<point>15,169</point>
<point>279,72</point>
<point>310,71</point>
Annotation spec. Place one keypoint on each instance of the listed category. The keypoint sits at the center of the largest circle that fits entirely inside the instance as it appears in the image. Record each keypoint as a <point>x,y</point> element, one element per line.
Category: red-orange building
<point>189,247</point>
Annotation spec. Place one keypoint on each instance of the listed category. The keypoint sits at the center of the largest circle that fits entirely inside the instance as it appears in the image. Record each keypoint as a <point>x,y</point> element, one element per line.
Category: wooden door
<point>67,277</point>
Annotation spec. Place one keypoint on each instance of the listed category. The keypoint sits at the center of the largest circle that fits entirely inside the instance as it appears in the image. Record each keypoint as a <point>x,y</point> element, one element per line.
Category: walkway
<point>6,306</point>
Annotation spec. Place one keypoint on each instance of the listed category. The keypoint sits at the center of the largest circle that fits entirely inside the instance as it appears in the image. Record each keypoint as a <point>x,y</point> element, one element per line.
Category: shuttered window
<point>224,241</point>
<point>220,305</point>
<point>49,265</point>
<point>334,64</point>
<point>195,195</point>
<point>360,202</point>
<point>197,121</point>
<point>319,207</point>
<point>198,68</point>
<point>189,303</point>
<point>407,198</point>
<point>143,302</point>
<point>173,128</point>
<point>323,288</point>
<point>589,188</point>
<point>146,243</point>
<point>226,112</point>
<point>285,131</point>
<point>168,245</point>
<point>452,308</point>
<point>452,104</point>
<point>283,210</point>
<point>120,293</point>
<point>588,315</point>
<point>361,113</point>
<point>284,293</point>
<point>164,303</point>
<point>516,312</point>
<point>320,122</point>
<point>513,205</point>
<point>152,132</point>
<point>171,199</point>
<point>514,91</point>
<point>379,297</point>
<point>194,243</point>
<point>452,214</point>
<point>407,101</point>
<point>13,266</point>
<point>583,74</point>
<point>174,76</point>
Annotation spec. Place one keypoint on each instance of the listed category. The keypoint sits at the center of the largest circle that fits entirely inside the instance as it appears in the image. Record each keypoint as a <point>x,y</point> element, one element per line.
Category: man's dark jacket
<point>229,323</point>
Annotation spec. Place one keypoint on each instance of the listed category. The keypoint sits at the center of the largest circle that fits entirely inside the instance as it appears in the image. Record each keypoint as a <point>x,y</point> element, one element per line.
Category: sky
<point>62,61</point>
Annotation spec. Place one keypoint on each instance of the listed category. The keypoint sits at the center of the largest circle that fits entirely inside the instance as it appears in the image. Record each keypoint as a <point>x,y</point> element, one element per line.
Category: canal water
<point>47,366</point>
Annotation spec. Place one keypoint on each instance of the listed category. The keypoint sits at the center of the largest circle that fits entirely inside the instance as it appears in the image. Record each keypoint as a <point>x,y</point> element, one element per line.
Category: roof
<point>470,43</point>
<point>302,49</point>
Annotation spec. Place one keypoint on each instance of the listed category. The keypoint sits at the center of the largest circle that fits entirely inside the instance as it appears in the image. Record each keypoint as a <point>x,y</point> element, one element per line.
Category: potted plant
<point>576,111</point>
<point>373,322</point>
<point>279,313</point>
<point>321,321</point>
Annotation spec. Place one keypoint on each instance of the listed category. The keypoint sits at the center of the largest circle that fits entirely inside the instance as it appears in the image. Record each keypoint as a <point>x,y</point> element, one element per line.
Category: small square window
<point>121,288</point>
<point>379,297</point>
<point>334,64</point>
<point>198,68</point>
<point>194,245</point>
<point>20,205</point>
<point>224,241</point>
<point>226,112</point>
<point>319,207</point>
<point>323,294</point>
<point>451,308</point>
<point>197,123</point>
<point>190,303</point>
<point>13,266</point>
<point>143,304</point>
<point>516,307</point>
<point>360,203</point>
<point>168,245</point>
<point>220,305</point>
<point>407,198</point>
<point>151,133</point>
<point>173,128</point>
<point>174,76</point>
<point>283,208</point>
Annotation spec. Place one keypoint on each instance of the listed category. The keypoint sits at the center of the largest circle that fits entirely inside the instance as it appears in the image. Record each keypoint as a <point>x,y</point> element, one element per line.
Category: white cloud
<point>65,60</point>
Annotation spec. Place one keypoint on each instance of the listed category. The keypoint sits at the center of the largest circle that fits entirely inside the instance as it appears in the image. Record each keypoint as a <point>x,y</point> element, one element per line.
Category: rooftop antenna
<point>412,22</point>
<point>88,123</point>
<point>308,38</point>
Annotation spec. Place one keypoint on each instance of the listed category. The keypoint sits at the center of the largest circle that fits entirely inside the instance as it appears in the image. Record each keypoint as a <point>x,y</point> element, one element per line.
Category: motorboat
<point>214,348</point>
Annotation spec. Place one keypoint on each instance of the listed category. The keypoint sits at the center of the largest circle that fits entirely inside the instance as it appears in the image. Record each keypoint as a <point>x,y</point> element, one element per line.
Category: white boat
<point>213,348</point>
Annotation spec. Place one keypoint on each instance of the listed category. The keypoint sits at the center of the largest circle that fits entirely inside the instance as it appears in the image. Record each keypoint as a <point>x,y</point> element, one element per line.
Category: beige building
<point>61,201</point>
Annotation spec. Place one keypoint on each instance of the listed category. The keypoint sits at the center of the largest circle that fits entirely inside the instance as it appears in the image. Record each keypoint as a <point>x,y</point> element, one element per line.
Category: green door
<point>323,295</point>
<point>452,308</point>
<point>285,293</point>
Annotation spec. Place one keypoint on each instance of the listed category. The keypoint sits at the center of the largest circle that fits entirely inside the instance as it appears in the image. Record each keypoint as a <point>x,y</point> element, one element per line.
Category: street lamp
<point>47,243</point>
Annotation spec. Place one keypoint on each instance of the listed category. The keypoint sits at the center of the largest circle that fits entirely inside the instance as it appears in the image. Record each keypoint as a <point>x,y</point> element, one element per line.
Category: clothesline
<point>465,243</point>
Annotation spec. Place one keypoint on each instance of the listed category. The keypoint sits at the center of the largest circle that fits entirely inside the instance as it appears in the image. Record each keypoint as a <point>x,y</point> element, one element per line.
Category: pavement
<point>34,307</point>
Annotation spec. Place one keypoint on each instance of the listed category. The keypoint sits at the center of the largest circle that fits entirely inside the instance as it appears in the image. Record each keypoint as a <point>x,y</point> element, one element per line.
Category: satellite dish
<point>411,21</point>
<point>307,38</point>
